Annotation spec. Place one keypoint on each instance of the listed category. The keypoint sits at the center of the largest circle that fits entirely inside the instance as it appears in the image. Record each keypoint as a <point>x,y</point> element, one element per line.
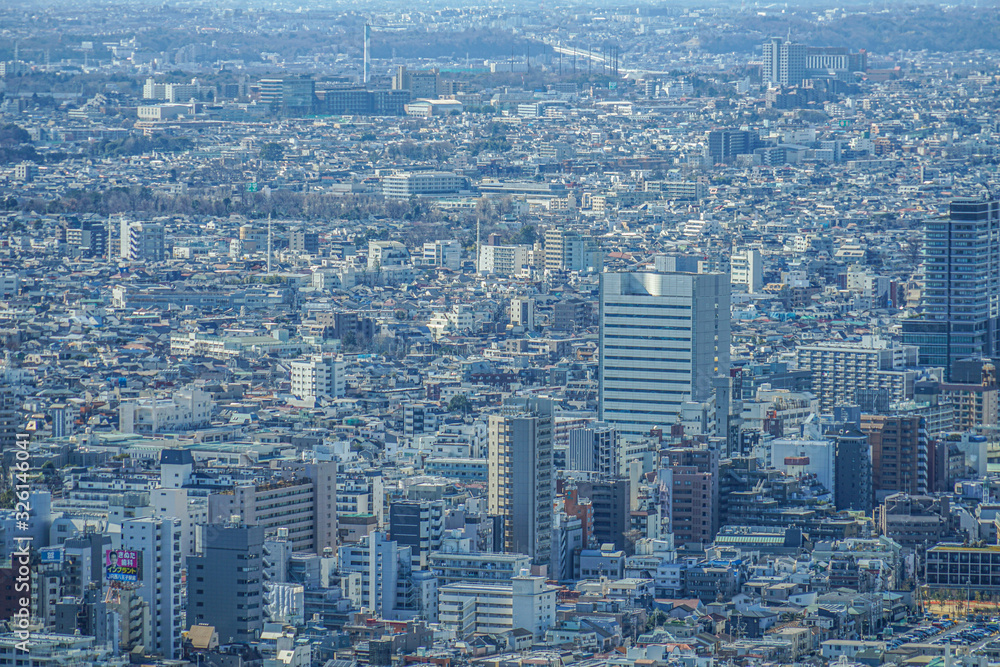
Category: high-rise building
<point>728,391</point>
<point>305,505</point>
<point>973,393</point>
<point>521,486</point>
<point>418,524</point>
<point>594,448</point>
<point>224,586</point>
<point>62,420</point>
<point>87,238</point>
<point>784,62</point>
<point>378,560</point>
<point>694,493</point>
<point>663,337</point>
<point>609,501</point>
<point>960,299</point>
<point>853,474</point>
<point>159,543</point>
<point>899,445</point>
<point>569,251</point>
<point>9,417</point>
<point>422,84</point>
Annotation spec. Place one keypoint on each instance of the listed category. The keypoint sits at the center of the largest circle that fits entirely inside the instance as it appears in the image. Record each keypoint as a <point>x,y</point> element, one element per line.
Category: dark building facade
<point>224,586</point>
<point>853,471</point>
<point>609,501</point>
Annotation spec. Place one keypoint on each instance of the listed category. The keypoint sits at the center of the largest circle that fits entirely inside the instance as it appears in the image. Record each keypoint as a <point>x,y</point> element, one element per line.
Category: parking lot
<point>973,634</point>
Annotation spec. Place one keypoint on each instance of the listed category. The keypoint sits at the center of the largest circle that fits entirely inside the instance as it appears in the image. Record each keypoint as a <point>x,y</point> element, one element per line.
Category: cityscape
<point>513,335</point>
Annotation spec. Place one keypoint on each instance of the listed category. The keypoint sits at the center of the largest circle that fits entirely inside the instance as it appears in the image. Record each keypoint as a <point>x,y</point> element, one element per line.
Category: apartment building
<point>747,269</point>
<point>840,370</point>
<point>484,567</point>
<point>305,504</point>
<point>526,603</point>
<point>694,502</point>
<point>899,450</point>
<point>319,376</point>
<point>506,260</point>
<point>160,565</point>
<point>521,472</point>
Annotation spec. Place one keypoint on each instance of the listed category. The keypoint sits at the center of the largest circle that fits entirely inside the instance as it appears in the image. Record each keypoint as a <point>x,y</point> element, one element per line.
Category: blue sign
<point>50,555</point>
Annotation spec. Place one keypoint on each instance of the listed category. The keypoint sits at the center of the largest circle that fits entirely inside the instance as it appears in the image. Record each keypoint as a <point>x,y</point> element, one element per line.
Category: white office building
<point>184,410</point>
<point>663,337</point>
<point>422,183</point>
<point>446,253</point>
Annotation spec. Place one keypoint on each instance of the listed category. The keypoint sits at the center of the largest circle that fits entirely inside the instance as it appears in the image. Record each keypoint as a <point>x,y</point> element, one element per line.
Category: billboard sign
<point>123,565</point>
<point>50,555</point>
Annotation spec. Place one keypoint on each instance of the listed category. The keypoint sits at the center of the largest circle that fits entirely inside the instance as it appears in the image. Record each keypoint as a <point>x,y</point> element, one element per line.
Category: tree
<point>272,152</point>
<point>349,340</point>
<point>460,403</point>
<point>527,235</point>
<point>656,619</point>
